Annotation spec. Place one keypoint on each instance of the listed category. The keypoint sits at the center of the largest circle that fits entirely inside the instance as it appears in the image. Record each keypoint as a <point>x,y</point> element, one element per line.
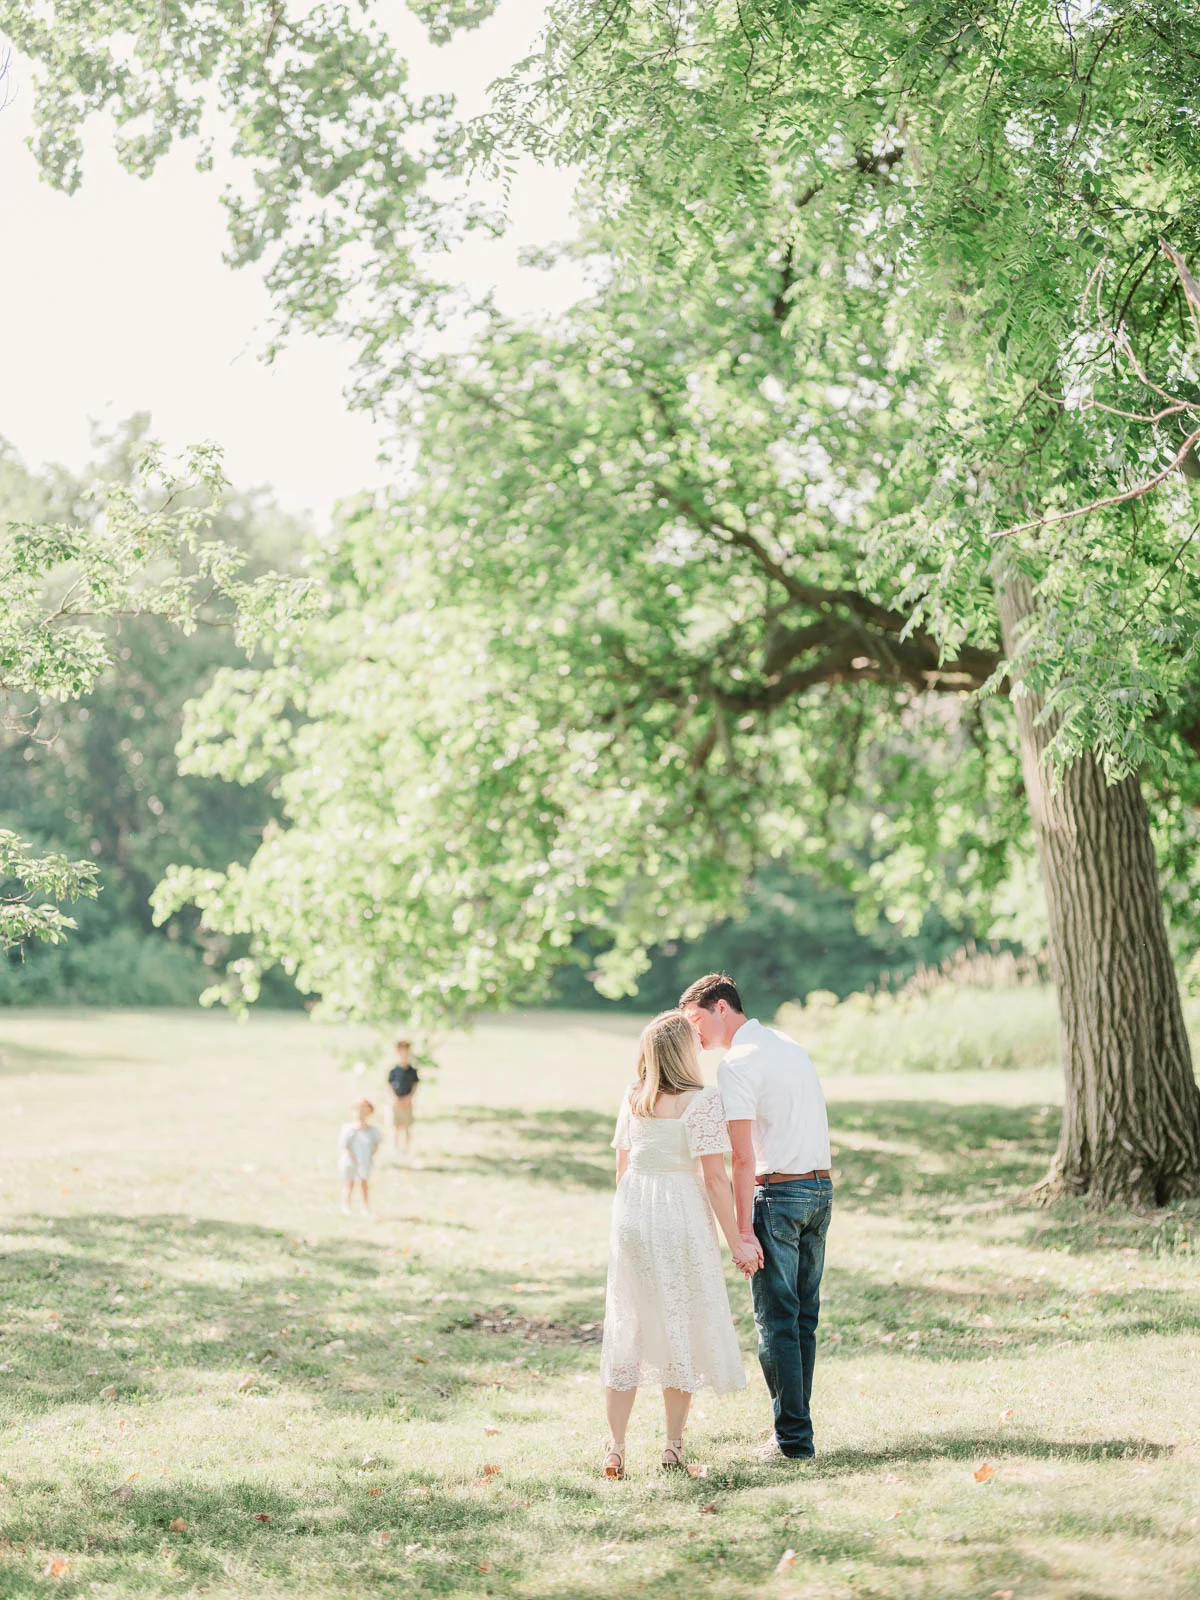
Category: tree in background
<point>911,206</point>
<point>793,935</point>
<point>118,607</point>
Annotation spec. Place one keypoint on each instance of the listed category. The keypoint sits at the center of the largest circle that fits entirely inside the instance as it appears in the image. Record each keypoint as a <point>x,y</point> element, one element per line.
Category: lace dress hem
<point>648,1377</point>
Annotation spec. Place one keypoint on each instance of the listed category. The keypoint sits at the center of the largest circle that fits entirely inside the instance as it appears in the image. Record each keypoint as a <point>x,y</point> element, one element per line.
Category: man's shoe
<point>771,1452</point>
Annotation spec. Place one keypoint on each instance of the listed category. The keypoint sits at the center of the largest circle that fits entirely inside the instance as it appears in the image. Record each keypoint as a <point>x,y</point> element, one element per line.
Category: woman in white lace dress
<point>666,1319</point>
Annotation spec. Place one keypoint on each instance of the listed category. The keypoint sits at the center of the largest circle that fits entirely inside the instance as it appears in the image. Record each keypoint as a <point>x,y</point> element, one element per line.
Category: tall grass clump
<point>978,1011</point>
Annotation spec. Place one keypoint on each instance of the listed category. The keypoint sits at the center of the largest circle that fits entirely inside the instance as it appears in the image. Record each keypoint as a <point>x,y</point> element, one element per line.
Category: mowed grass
<point>410,1406</point>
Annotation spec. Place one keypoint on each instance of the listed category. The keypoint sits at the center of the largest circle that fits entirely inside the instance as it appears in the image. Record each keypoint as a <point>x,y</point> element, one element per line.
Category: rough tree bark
<point>1131,1123</point>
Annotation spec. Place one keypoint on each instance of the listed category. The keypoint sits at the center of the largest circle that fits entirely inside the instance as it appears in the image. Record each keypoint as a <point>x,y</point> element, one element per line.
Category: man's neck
<point>739,1022</point>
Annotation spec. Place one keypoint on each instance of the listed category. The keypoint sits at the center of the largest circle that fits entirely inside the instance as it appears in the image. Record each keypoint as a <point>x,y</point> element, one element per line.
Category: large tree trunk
<point>1131,1124</point>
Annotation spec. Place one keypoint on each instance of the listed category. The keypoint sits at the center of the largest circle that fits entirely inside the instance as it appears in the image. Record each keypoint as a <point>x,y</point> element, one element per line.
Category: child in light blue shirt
<point>357,1144</point>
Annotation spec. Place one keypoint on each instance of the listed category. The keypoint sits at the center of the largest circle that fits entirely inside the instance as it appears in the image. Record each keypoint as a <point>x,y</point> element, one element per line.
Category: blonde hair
<point>667,1062</point>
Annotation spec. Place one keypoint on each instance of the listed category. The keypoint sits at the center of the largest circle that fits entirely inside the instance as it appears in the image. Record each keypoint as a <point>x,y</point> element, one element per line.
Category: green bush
<point>122,968</point>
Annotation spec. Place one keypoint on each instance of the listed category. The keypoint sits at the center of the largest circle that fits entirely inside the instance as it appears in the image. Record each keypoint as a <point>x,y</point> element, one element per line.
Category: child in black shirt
<point>402,1081</point>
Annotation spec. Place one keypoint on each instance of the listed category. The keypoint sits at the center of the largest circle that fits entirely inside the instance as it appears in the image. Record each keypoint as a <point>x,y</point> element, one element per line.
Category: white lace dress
<point>667,1322</point>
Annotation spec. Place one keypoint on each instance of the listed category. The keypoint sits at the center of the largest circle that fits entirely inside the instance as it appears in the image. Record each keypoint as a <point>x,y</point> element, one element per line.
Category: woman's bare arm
<point>720,1197</point>
<point>622,1164</point>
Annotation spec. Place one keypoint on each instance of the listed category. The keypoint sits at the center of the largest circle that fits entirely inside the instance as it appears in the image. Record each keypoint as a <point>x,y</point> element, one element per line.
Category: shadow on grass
<point>975,1313</point>
<point>569,1149</point>
<point>926,1154</point>
<point>1078,1229</point>
<point>380,1534</point>
<point>22,1060</point>
<point>150,1304</point>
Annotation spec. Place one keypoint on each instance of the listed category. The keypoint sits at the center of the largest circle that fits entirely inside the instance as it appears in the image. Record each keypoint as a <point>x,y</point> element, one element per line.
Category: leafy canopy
<point>712,568</point>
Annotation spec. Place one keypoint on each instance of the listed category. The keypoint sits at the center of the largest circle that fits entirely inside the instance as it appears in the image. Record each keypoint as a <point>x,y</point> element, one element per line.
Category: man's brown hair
<point>706,991</point>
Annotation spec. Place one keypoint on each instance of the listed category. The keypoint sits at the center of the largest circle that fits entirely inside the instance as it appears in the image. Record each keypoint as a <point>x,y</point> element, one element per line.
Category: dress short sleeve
<point>704,1121</point>
<point>621,1139</point>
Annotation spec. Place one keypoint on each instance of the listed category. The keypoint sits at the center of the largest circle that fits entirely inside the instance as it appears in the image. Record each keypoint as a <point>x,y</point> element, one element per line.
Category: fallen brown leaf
<point>262,1516</point>
<point>122,1492</point>
<point>786,1561</point>
<point>179,1525</point>
<point>709,1509</point>
<point>58,1567</point>
<point>374,1491</point>
<point>984,1472</point>
<point>132,1476</point>
<point>109,1392</point>
<point>424,1362</point>
<point>383,1537</point>
<point>1006,1416</point>
<point>246,1383</point>
<point>490,1431</point>
<point>697,1472</point>
<point>484,1566</point>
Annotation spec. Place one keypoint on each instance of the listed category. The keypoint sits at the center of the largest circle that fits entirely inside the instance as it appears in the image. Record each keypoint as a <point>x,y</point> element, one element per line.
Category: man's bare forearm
<point>743,1194</point>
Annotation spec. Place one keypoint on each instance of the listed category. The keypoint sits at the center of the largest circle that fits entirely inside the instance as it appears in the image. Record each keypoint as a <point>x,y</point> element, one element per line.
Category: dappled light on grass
<point>250,1394</point>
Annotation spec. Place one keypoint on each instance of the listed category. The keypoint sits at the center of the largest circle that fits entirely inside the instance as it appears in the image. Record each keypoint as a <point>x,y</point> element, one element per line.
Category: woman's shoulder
<point>705,1096</point>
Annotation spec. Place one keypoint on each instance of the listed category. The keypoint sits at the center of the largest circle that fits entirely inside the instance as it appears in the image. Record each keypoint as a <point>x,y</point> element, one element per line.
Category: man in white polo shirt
<point>782,1187</point>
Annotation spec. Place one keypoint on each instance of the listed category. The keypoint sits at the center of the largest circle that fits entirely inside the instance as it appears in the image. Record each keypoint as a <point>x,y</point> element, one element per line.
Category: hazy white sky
<point>116,300</point>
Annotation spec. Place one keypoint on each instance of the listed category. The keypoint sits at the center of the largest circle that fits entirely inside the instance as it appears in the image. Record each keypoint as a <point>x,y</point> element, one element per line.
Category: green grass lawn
<point>213,1382</point>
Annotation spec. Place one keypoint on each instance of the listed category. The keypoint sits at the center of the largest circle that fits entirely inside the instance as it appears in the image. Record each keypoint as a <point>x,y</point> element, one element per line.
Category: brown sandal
<point>614,1462</point>
<point>672,1456</point>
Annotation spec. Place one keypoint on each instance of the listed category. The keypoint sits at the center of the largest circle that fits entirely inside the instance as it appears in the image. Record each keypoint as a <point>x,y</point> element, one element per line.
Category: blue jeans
<point>790,1221</point>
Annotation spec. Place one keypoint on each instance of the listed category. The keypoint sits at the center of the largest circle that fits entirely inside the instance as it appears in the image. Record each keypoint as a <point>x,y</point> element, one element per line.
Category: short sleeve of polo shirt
<point>735,1079</point>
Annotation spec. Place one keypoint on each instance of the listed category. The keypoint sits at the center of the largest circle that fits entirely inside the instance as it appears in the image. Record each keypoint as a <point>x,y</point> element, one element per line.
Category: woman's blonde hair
<point>667,1062</point>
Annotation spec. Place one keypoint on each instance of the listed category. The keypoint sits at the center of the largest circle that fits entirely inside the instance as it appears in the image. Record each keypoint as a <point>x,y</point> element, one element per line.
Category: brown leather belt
<point>791,1177</point>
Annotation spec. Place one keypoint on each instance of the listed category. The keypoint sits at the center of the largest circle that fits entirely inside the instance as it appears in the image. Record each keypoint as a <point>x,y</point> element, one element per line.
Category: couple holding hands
<point>667,1322</point>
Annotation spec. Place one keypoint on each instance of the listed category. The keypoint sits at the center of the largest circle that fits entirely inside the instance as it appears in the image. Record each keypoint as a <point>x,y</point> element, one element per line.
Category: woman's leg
<point>618,1403</point>
<point>677,1403</point>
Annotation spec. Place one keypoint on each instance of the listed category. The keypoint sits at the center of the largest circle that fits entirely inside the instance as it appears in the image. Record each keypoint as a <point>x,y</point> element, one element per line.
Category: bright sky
<point>116,300</point>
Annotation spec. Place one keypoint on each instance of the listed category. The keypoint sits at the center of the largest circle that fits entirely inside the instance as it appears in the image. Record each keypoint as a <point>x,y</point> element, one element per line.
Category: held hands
<point>747,1254</point>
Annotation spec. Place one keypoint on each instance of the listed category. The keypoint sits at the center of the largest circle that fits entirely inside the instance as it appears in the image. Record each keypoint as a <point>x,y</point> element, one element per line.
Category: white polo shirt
<point>767,1079</point>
